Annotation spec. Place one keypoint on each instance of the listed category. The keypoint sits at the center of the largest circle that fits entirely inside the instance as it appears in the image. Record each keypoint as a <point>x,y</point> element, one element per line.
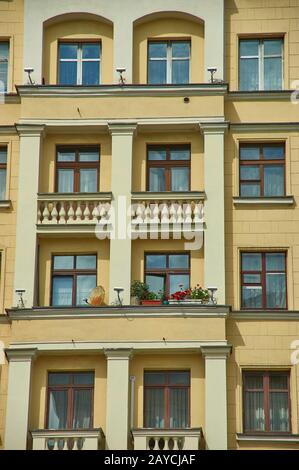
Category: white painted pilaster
<point>117,407</point>
<point>18,398</point>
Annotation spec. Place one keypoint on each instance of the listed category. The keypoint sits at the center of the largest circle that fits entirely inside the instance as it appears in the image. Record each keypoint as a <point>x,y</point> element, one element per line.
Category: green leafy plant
<point>140,290</point>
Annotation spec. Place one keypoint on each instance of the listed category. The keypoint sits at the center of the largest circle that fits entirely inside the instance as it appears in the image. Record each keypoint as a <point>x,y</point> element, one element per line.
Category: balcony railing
<point>93,439</point>
<point>167,439</point>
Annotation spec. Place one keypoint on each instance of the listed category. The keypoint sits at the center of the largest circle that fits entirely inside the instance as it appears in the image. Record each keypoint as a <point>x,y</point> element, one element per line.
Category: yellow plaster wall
<point>5,331</point>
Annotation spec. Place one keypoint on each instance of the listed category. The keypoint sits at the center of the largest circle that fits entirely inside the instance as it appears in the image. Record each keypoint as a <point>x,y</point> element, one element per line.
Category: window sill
<point>267,437</point>
<point>269,201</point>
<point>5,204</point>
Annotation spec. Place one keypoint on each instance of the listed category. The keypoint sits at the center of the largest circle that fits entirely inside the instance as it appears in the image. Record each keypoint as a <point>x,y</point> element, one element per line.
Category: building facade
<point>156,143</point>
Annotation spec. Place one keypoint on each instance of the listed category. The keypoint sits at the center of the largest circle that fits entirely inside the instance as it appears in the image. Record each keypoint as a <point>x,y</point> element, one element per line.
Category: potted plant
<point>151,299</point>
<point>196,295</point>
<point>164,297</point>
<point>140,291</point>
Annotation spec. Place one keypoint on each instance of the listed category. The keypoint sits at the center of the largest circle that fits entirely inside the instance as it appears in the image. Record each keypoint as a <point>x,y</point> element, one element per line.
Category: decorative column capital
<point>30,130</point>
<point>214,127</point>
<point>122,128</point>
<point>20,355</point>
<point>216,352</point>
<point>118,354</point>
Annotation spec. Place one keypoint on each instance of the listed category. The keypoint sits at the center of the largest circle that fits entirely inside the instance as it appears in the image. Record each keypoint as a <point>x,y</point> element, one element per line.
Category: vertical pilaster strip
<point>123,47</point>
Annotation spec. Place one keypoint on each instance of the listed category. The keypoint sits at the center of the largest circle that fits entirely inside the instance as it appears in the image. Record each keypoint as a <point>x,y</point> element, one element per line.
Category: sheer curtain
<point>65,181</point>
<point>179,408</point>
<point>154,408</point>
<point>279,411</point>
<point>276,290</point>
<point>62,291</point>
<point>82,409</point>
<point>180,179</point>
<point>157,179</point>
<point>274,181</point>
<point>254,411</point>
<point>58,410</point>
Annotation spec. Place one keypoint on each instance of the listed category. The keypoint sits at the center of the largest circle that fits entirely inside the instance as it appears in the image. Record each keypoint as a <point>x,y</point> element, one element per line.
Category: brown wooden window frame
<point>3,166</point>
<point>266,374</point>
<point>168,164</point>
<point>70,388</point>
<point>167,387</point>
<point>76,166</point>
<point>74,273</point>
<point>263,273</point>
<point>261,163</point>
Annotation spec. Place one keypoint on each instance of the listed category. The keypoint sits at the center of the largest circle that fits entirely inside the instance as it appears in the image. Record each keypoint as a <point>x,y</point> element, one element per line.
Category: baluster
<point>173,218</point>
<point>54,213</point>
<point>156,213</point>
<point>95,214</point>
<point>175,443</point>
<point>71,213</point>
<point>196,214</point>
<point>140,214</point>
<point>86,213</point>
<point>179,213</point>
<point>62,214</point>
<point>55,444</point>
<point>78,213</point>
<point>39,214</point>
<point>46,214</point>
<point>165,214</point>
<point>188,213</point>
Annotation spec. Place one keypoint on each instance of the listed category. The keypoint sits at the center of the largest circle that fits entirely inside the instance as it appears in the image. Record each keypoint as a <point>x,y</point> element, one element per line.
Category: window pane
<point>84,378</point>
<point>157,179</point>
<point>156,283</point>
<point>178,282</point>
<point>65,181</point>
<point>249,153</point>
<point>249,48</point>
<point>82,409</point>
<point>66,156</point>
<point>279,411</point>
<point>273,153</point>
<point>254,411</point>
<point>4,52</point>
<point>89,156</point>
<point>62,291</point>
<point>254,382</point>
<point>91,51</point>
<point>2,184</point>
<point>3,155</point>
<point>85,284</point>
<point>180,71</point>
<point>179,408</point>
<point>179,261</point>
<point>250,190</point>
<point>179,154</point>
<point>179,378</point>
<point>276,290</point>
<point>180,179</point>
<point>157,50</point>
<point>57,409</point>
<point>272,47</point>
<point>275,261</point>
<point>154,378</point>
<point>155,261</point>
<point>86,262</point>
<point>63,262</point>
<point>181,49</point>
<point>249,76</point>
<point>58,378</point>
<point>68,73</point>
<point>278,382</point>
<point>251,297</point>
<point>68,51</point>
<point>273,74</point>
<point>3,75</point>
<point>88,181</point>
<point>251,278</point>
<point>157,154</point>
<point>251,262</point>
<point>157,72</point>
<point>249,173</point>
<point>274,180</point>
<point>91,73</point>
<point>154,408</point>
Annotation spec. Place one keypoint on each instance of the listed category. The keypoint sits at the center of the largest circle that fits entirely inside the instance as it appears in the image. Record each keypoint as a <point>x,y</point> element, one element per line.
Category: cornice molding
<point>216,352</point>
<point>283,315</point>
<point>120,128</point>
<point>7,129</point>
<point>264,126</point>
<point>105,196</point>
<point>261,438</point>
<point>30,130</point>
<point>269,201</point>
<point>214,127</point>
<point>168,196</point>
<point>118,354</point>
<point>281,95</point>
<point>20,355</point>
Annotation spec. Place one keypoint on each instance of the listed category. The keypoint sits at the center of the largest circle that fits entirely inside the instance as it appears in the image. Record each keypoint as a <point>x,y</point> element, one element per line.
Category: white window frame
<point>169,59</point>
<point>6,60</point>
<point>80,59</point>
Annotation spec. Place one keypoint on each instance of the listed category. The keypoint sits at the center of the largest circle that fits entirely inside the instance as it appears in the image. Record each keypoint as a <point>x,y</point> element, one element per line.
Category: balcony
<point>93,439</point>
<point>167,439</point>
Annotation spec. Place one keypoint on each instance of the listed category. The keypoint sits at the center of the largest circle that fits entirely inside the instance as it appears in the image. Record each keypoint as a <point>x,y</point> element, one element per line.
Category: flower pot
<point>188,301</point>
<point>151,302</point>
<point>135,301</point>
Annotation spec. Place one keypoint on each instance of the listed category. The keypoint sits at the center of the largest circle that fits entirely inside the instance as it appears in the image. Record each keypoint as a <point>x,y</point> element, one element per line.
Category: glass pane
<point>254,382</point>
<point>85,284</point>
<point>157,50</point>
<point>4,53</point>
<point>178,261</point>
<point>91,73</point>
<point>86,262</point>
<point>179,378</point>
<point>249,153</point>
<point>275,262</point>
<point>249,48</point>
<point>65,181</point>
<point>3,155</point>
<point>66,156</point>
<point>276,290</point>
<point>178,282</point>
<point>154,378</point>
<point>157,179</point>
<point>68,73</point>
<point>62,291</point>
<point>157,154</point>
<point>89,156</point>
<point>278,382</point>
<point>180,179</point>
<point>272,74</point>
<point>249,173</point>
<point>251,297</point>
<point>63,262</point>
<point>156,283</point>
<point>84,378</point>
<point>82,409</point>
<point>181,49</point>
<point>251,278</point>
<point>88,181</point>
<point>2,184</point>
<point>155,261</point>
<point>154,408</point>
<point>180,154</point>
<point>273,153</point>
<point>249,75</point>
<point>272,47</point>
<point>91,51</point>
<point>180,71</point>
<point>250,190</point>
<point>251,262</point>
<point>274,180</point>
<point>279,411</point>
<point>58,378</point>
<point>157,72</point>
<point>3,75</point>
<point>57,409</point>
<point>254,411</point>
<point>179,408</point>
<point>68,51</point>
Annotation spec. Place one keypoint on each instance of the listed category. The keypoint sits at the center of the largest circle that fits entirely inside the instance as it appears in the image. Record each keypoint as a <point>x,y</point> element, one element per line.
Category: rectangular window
<point>168,62</point>
<point>262,170</point>
<point>264,280</point>
<point>167,399</point>
<point>3,172</point>
<point>77,169</point>
<point>266,402</point>
<point>4,56</point>
<point>260,64</point>
<point>167,272</point>
<point>73,278</point>
<point>168,168</point>
<point>70,400</point>
<point>79,63</point>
